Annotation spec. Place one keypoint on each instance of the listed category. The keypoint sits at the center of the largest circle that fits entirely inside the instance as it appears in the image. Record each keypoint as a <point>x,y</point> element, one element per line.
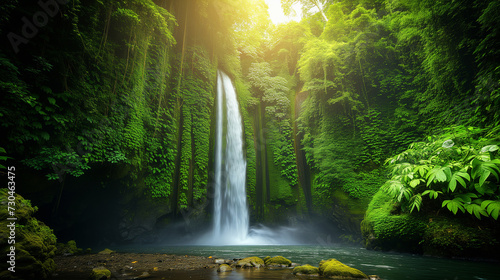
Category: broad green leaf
<point>458,176</point>
<point>432,193</point>
<point>465,197</point>
<point>453,205</point>
<point>414,183</point>
<point>492,207</point>
<point>489,148</point>
<point>421,169</point>
<point>476,210</point>
<point>438,173</point>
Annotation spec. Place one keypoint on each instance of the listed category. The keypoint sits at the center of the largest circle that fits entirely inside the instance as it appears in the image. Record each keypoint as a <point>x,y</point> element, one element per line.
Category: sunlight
<point>276,12</point>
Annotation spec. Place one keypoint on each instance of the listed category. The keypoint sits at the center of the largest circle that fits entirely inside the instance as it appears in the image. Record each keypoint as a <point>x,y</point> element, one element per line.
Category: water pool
<point>388,266</point>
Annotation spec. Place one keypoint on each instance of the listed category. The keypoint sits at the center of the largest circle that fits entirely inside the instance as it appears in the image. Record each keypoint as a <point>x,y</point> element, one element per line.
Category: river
<point>387,265</point>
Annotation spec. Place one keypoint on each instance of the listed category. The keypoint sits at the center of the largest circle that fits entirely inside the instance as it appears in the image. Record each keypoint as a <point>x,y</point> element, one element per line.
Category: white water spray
<point>230,224</point>
<point>231,219</point>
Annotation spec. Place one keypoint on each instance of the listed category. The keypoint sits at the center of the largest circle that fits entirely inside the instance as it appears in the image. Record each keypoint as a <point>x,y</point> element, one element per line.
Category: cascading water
<point>230,224</point>
<point>231,218</point>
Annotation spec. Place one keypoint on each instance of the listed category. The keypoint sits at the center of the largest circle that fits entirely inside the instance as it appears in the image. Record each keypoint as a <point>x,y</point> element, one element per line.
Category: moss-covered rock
<point>68,249</point>
<point>266,258</point>
<point>100,273</point>
<point>453,237</point>
<point>305,270</point>
<point>250,262</point>
<point>332,268</point>
<point>224,268</point>
<point>106,252</point>
<point>278,260</point>
<point>34,241</point>
<point>385,228</point>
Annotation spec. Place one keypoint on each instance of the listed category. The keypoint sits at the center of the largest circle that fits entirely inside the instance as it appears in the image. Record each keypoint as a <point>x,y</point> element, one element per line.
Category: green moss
<point>106,252</point>
<point>35,242</point>
<point>278,260</point>
<point>100,273</point>
<point>280,190</point>
<point>250,261</point>
<point>69,248</point>
<point>224,268</point>
<point>383,228</point>
<point>333,268</point>
<point>305,269</point>
<point>451,237</point>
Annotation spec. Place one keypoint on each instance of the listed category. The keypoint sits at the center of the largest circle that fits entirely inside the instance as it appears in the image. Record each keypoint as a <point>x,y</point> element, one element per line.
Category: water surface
<point>388,266</point>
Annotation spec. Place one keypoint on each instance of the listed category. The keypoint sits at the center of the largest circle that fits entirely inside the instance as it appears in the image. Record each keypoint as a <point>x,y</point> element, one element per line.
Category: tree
<point>307,5</point>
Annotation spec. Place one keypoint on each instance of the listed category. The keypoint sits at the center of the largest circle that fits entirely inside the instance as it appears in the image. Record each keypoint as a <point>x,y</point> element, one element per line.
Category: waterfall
<point>230,222</point>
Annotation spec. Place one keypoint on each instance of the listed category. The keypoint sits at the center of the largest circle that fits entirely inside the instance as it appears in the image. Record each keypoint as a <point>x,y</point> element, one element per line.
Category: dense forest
<point>379,119</point>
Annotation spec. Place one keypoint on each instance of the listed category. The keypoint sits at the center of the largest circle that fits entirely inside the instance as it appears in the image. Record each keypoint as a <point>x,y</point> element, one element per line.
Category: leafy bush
<point>459,169</point>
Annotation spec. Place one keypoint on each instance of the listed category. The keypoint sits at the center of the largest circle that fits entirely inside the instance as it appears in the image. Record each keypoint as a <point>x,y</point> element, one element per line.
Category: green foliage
<point>2,157</point>
<point>35,242</point>
<point>61,162</point>
<point>451,238</point>
<point>454,168</point>
<point>385,228</point>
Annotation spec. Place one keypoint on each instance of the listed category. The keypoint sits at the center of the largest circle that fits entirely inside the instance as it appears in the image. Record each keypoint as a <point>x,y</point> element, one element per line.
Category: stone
<point>306,270</point>
<point>250,262</point>
<point>106,252</point>
<point>332,268</point>
<point>277,261</point>
<point>224,268</point>
<point>100,273</point>
<point>35,244</point>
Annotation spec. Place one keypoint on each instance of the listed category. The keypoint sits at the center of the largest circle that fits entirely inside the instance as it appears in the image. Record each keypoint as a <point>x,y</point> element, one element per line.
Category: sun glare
<point>276,12</point>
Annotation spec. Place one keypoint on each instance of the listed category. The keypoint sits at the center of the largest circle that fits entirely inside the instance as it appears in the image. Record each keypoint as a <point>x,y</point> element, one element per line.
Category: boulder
<point>277,261</point>
<point>106,252</point>
<point>250,262</point>
<point>224,268</point>
<point>35,242</point>
<point>100,273</point>
<point>332,268</point>
<point>306,270</point>
<point>68,249</point>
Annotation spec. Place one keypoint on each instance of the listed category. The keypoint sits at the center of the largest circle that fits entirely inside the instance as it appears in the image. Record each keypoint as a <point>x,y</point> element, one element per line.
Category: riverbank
<point>129,265</point>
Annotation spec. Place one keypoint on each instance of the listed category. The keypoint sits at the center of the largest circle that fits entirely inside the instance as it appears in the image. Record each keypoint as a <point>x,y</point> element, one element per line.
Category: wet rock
<point>332,268</point>
<point>306,270</point>
<point>35,244</point>
<point>144,275</point>
<point>100,273</point>
<point>68,249</point>
<point>373,277</point>
<point>219,261</point>
<point>106,252</point>
<point>250,262</point>
<point>224,268</point>
<point>277,261</point>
